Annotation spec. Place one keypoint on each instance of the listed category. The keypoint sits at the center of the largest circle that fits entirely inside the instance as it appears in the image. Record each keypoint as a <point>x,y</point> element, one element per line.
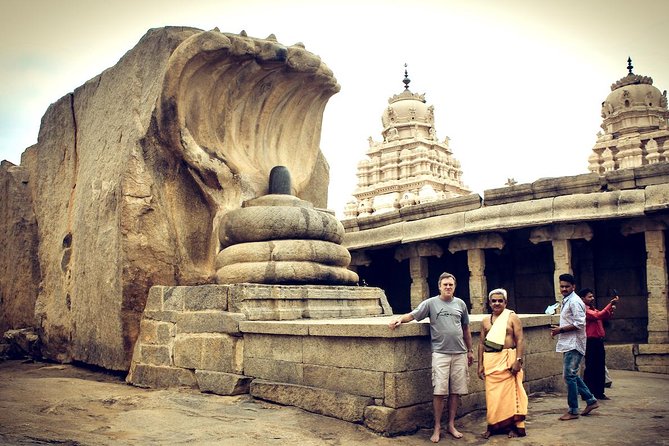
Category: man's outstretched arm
<point>400,320</point>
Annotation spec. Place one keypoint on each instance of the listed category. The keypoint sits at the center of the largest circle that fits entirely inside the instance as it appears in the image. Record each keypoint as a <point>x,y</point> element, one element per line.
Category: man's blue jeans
<point>575,385</point>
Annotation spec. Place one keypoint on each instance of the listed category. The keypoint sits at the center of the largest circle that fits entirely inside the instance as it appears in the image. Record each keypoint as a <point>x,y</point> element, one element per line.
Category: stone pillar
<point>417,254</point>
<point>478,286</point>
<point>656,275</point>
<point>656,278</point>
<point>560,236</point>
<point>420,289</point>
<point>475,246</point>
<point>562,261</point>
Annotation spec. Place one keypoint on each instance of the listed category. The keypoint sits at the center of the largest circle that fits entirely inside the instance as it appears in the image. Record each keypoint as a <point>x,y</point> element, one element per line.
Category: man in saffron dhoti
<point>501,349</point>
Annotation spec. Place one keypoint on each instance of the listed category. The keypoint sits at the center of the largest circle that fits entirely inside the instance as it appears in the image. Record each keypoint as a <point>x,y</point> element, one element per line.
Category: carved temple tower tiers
<point>635,126</point>
<point>410,165</point>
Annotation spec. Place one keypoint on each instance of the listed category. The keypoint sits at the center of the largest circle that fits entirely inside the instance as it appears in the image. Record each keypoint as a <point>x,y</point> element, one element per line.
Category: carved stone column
<point>478,285</point>
<point>656,275</point>
<point>656,278</point>
<point>420,289</point>
<point>417,254</point>
<point>562,262</point>
<point>475,246</point>
<point>560,236</point>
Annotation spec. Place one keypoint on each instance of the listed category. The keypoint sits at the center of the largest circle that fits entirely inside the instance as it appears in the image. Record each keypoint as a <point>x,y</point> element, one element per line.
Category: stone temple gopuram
<point>635,126</point>
<point>410,165</point>
<point>607,227</point>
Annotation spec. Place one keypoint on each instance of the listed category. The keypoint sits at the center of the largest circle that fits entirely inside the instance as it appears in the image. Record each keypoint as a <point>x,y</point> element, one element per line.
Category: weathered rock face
<point>133,171</point>
<point>19,269</point>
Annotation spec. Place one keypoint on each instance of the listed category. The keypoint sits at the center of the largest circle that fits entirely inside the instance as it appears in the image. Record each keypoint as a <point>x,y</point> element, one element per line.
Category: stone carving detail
<point>280,239</point>
<point>607,160</point>
<point>630,153</point>
<point>652,153</point>
<point>201,137</point>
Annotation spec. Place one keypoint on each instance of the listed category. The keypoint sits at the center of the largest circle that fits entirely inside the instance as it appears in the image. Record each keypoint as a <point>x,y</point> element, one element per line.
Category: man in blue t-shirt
<point>452,350</point>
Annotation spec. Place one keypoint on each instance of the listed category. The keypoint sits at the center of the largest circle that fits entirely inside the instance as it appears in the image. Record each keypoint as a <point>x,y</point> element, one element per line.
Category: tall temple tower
<point>410,166</point>
<point>635,126</point>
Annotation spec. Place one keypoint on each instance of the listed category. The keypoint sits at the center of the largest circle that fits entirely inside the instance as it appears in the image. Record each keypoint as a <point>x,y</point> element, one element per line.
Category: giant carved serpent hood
<point>233,107</point>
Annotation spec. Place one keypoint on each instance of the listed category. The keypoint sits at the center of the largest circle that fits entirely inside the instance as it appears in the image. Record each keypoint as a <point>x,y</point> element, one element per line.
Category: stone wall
<point>191,336</point>
<point>361,372</point>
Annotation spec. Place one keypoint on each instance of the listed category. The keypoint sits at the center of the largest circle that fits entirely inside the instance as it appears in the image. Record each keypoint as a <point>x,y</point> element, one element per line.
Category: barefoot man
<point>501,349</point>
<point>452,350</point>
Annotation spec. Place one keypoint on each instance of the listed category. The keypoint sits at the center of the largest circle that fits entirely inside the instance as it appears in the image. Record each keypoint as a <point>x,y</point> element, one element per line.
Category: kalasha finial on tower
<point>406,78</point>
<point>629,65</point>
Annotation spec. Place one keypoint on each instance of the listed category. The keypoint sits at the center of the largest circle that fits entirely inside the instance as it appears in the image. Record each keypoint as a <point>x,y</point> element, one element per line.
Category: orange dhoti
<point>506,399</point>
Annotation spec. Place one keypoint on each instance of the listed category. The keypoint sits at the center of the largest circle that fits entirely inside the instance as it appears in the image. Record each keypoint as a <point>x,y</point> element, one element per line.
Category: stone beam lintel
<point>422,249</point>
<point>561,232</point>
<point>480,241</point>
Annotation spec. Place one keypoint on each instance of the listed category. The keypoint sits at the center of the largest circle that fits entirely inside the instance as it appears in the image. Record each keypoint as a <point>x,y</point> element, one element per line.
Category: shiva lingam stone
<point>281,239</point>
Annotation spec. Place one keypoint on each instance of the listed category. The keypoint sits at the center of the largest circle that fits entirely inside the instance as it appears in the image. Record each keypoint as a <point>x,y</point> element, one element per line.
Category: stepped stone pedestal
<point>190,335</point>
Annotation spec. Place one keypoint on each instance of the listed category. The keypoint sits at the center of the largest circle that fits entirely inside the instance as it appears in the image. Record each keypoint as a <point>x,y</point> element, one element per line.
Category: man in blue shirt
<point>452,350</point>
<point>571,343</point>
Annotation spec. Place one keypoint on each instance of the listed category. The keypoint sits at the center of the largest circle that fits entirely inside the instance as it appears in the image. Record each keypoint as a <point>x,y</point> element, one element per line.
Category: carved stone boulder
<point>134,171</point>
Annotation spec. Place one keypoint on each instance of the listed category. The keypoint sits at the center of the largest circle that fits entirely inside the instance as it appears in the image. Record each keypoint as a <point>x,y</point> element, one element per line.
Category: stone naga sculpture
<point>232,108</point>
<point>134,171</point>
<point>280,239</point>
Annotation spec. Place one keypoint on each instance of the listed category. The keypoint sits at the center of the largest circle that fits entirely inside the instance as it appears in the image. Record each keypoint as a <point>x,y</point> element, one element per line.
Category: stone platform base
<point>354,369</point>
<point>360,371</point>
<point>652,358</point>
<point>190,336</point>
<point>620,356</point>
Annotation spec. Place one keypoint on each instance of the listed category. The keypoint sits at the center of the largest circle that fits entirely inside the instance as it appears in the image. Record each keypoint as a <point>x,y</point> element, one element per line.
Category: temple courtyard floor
<point>43,403</point>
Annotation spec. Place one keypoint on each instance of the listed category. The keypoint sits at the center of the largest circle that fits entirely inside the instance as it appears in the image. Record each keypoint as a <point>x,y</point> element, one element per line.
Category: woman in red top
<point>595,355</point>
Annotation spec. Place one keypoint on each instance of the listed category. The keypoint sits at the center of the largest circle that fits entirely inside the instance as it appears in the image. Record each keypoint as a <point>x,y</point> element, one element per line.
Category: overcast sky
<point>517,85</point>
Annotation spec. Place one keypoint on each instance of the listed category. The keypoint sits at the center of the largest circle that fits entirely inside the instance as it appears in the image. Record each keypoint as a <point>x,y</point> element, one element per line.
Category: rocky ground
<point>42,403</point>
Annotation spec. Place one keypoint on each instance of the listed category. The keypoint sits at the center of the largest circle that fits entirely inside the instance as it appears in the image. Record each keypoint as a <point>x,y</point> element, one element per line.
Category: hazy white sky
<point>517,84</point>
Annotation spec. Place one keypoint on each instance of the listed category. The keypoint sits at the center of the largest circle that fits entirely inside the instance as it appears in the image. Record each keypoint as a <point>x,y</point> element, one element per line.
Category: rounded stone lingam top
<point>280,239</point>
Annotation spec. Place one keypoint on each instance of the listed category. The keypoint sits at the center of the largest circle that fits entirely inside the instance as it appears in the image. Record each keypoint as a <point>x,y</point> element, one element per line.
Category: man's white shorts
<point>449,373</point>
